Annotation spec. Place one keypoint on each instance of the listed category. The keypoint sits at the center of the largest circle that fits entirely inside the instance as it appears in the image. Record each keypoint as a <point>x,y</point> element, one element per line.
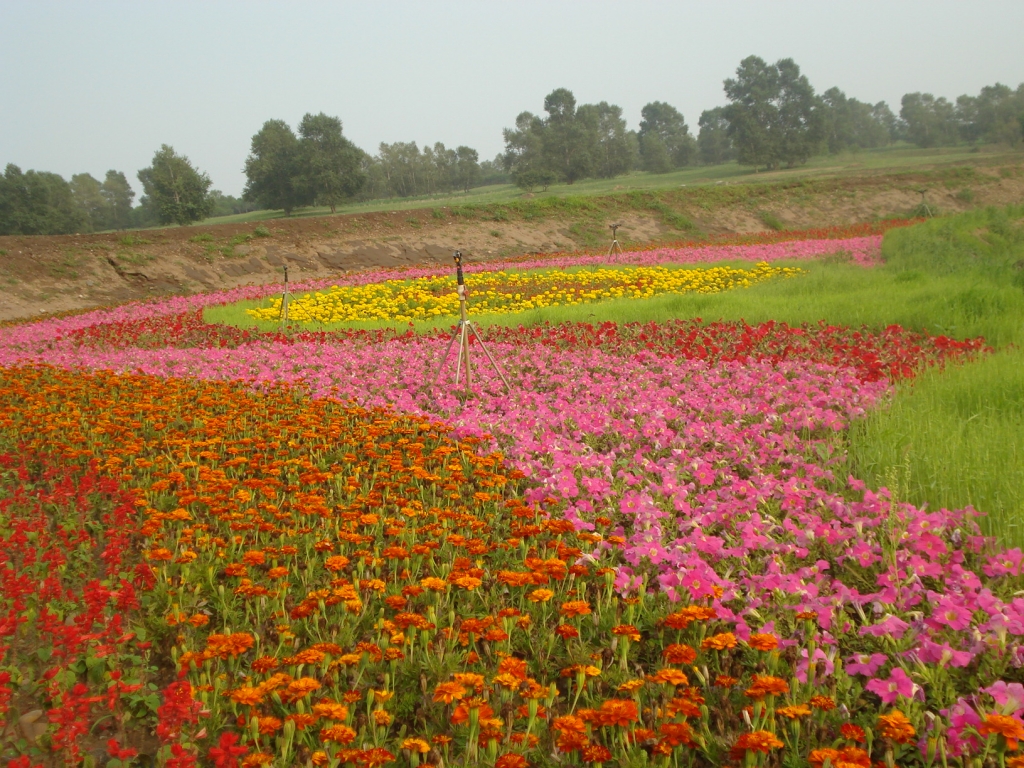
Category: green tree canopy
<point>177,191</point>
<point>119,196</point>
<point>273,170</point>
<point>665,140</point>
<point>88,194</point>
<point>37,203</point>
<point>331,164</point>
<point>774,116</point>
<point>929,122</point>
<point>713,143</point>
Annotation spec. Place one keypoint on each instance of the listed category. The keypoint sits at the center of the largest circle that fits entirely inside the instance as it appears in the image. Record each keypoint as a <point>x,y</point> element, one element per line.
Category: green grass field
<point>954,437</point>
<point>888,159</point>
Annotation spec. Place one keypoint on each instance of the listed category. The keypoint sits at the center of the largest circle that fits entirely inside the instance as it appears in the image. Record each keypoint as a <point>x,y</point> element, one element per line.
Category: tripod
<point>284,300</point>
<point>615,240</point>
<point>461,334</point>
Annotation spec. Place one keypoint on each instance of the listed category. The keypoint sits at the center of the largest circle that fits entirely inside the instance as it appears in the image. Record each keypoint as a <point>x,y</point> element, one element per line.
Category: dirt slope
<point>40,275</point>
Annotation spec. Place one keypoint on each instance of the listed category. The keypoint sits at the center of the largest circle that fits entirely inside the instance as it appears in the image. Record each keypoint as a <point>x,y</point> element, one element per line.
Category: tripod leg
<point>444,359</point>
<point>487,352</point>
<point>462,349</point>
<point>465,343</point>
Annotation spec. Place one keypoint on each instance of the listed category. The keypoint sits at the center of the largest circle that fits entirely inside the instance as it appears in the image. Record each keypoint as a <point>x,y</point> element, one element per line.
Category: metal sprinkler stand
<point>461,335</point>
<point>284,300</point>
<point>615,240</point>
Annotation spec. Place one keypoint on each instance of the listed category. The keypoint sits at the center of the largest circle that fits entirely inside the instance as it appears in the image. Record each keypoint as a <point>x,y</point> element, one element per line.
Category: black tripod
<point>461,334</point>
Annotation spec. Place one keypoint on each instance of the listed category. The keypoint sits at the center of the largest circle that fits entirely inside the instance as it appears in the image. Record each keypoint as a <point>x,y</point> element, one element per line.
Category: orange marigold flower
<point>416,745</point>
<point>575,608</point>
<point>336,563</point>
<point>302,720</point>
<point>331,710</point>
<point>758,741</point>
<point>567,631</point>
<point>570,741</point>
<point>763,642</point>
<point>766,685</point>
<point>670,676</point>
<point>569,723</point>
<point>794,711</point>
<point>618,712</point>
<point>434,583</point>
<point>247,696</point>
<point>448,692</point>
<point>896,727</point>
<point>229,645</point>
<point>1008,727</point>
<point>852,732</point>
<point>724,681</point>
<point>596,753</point>
<point>627,630</point>
<point>817,757</point>
<point>269,725</point>
<point>278,572</point>
<point>255,759</point>
<point>677,653</point>
<point>675,734</point>
<point>540,595</point>
<point>340,734</point>
<point>630,686</point>
<point>512,760</point>
<point>719,642</point>
<point>442,739</point>
<point>381,717</point>
<point>371,758</point>
<point>513,666</point>
<point>824,703</point>
<point>299,689</point>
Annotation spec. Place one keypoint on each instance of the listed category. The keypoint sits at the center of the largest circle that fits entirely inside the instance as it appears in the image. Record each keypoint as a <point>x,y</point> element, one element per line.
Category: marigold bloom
<point>720,642</point>
<point>596,753</point>
<point>575,608</point>
<point>794,711</point>
<point>758,741</point>
<point>763,642</point>
<point>847,757</point>
<point>371,758</point>
<point>302,720</point>
<point>434,583</point>
<point>766,685</point>
<point>416,745</point>
<point>724,681</point>
<point>512,760</point>
<point>331,710</point>
<point>567,631</point>
<point>627,630</point>
<point>618,712</point>
<point>569,723</point>
<point>340,734</point>
<point>677,653</point>
<point>540,595</point>
<point>630,686</point>
<point>676,734</point>
<point>824,703</point>
<point>852,732</point>
<point>299,689</point>
<point>670,676</point>
<point>1010,728</point>
<point>247,696</point>
<point>381,717</point>
<point>896,727</point>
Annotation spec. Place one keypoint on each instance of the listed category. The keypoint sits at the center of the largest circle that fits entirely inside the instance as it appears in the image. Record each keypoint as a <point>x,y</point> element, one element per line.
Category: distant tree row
<point>773,118</point>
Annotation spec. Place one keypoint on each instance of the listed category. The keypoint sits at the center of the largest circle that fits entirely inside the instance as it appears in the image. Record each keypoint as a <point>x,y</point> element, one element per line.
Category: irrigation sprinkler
<point>284,300</point>
<point>461,335</point>
<point>615,239</point>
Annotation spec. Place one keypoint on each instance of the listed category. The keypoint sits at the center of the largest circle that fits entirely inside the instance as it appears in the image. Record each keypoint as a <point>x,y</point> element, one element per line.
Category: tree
<point>850,124</point>
<point>611,147</point>
<point>774,116</point>
<point>467,167</point>
<point>177,191</point>
<point>273,171</point>
<point>996,115</point>
<point>567,143</point>
<point>331,163</point>
<point>37,203</point>
<point>665,140</point>
<point>713,143</point>
<point>524,146</point>
<point>119,196</point>
<point>930,122</point>
<point>88,196</point>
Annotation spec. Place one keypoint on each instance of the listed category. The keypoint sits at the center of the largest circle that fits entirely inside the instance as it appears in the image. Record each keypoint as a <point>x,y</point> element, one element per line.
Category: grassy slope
<point>888,159</point>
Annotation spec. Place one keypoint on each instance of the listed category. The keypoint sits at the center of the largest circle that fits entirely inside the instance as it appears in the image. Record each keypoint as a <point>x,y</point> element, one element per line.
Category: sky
<point>92,85</point>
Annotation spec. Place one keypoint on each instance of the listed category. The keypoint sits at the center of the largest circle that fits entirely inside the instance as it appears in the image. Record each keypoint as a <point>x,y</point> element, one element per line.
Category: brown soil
<point>40,275</point>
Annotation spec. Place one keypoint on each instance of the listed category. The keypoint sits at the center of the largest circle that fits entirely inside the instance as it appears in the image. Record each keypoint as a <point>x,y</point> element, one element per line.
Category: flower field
<point>226,547</point>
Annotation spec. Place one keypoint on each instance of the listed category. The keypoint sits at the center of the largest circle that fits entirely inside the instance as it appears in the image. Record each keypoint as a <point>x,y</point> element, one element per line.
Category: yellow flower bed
<point>509,292</point>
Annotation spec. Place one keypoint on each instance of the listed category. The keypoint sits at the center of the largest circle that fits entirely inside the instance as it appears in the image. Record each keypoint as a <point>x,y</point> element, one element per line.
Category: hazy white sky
<point>89,86</point>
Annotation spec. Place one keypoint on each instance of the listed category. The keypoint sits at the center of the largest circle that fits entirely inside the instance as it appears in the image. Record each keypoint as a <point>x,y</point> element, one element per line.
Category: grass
<point>888,159</point>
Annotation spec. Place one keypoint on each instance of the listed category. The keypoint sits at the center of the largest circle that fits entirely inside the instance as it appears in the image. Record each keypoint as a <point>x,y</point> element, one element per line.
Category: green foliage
<point>774,116</point>
<point>664,139</point>
<point>261,231</point>
<point>714,146</point>
<point>771,221</point>
<point>38,203</point>
<point>273,171</point>
<point>178,192</point>
<point>203,237</point>
<point>330,163</point>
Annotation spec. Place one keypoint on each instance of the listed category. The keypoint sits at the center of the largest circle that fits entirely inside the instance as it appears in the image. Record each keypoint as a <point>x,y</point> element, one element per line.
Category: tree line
<point>773,118</point>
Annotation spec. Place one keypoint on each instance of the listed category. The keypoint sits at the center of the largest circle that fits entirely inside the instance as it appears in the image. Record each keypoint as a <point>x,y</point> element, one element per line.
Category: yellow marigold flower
<point>540,595</point>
